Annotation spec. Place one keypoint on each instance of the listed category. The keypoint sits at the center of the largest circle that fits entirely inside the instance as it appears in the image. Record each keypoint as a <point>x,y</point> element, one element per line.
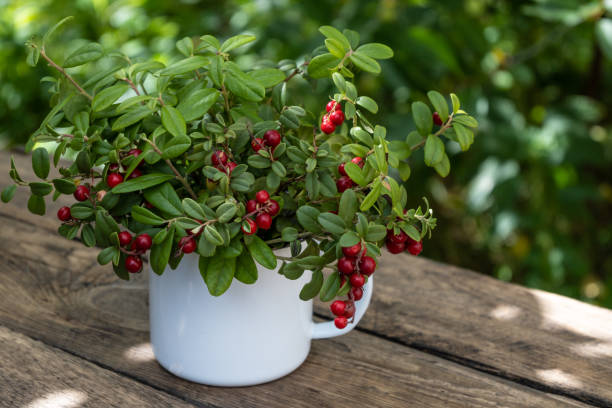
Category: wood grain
<point>35,375</point>
<point>53,290</point>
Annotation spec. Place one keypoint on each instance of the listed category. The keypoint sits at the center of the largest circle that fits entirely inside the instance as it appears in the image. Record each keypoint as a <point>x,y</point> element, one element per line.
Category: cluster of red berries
<point>220,160</point>
<point>345,182</point>
<point>264,208</point>
<point>356,265</point>
<point>115,178</point>
<point>397,243</point>
<point>333,118</point>
<point>271,139</point>
<point>138,246</point>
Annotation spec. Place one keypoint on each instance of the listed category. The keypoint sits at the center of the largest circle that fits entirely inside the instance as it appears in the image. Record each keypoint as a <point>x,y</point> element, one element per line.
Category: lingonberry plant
<point>202,156</point>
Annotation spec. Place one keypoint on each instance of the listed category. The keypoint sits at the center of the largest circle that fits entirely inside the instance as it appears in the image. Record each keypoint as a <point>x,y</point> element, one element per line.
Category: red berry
<point>337,117</point>
<point>399,238</point>
<point>187,245</point>
<point>346,265</point>
<point>262,196</point>
<point>357,280</point>
<point>338,307</point>
<point>344,183</point>
<point>264,221</point>
<point>273,208</point>
<point>148,205</point>
<point>414,247</point>
<point>350,310</point>
<point>64,214</point>
<point>257,144</point>
<point>342,280</point>
<point>135,152</point>
<point>231,166</point>
<point>327,126</point>
<point>251,206</point>
<point>330,106</point>
<point>340,322</point>
<point>437,119</point>
<point>143,242</point>
<point>272,138</point>
<point>395,247</point>
<point>367,265</point>
<point>352,250</point>
<point>114,179</point>
<point>252,225</point>
<point>125,238</point>
<point>357,293</point>
<point>113,167</point>
<point>219,157</point>
<point>133,263</point>
<point>341,169</point>
<point>135,173</point>
<point>358,161</point>
<point>81,193</point>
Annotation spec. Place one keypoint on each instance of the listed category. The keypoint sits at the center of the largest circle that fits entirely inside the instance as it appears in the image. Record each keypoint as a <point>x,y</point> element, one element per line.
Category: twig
<point>178,175</point>
<point>63,72</point>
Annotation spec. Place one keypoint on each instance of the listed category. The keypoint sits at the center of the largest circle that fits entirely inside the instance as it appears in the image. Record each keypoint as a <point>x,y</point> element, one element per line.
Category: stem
<point>279,240</point>
<point>132,85</point>
<point>226,100</point>
<point>440,131</point>
<point>63,72</point>
<point>178,175</point>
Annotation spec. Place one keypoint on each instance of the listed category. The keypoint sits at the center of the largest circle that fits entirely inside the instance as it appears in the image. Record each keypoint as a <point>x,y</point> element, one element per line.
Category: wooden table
<point>71,334</point>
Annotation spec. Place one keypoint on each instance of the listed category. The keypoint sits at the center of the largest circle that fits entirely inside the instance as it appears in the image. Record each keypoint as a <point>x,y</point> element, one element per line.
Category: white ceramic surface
<point>249,335</point>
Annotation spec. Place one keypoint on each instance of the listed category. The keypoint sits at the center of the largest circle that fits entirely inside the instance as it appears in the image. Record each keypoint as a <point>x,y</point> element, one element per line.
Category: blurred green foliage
<point>531,203</point>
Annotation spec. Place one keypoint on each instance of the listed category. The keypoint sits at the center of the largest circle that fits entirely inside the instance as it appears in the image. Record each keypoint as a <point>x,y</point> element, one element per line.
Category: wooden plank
<point>53,290</point>
<point>35,375</point>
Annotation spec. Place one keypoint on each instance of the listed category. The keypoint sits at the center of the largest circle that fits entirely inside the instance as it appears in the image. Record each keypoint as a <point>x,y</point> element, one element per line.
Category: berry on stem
<point>344,183</point>
<point>352,250</point>
<point>219,157</point>
<point>338,307</point>
<point>231,166</point>
<point>273,207</point>
<point>337,117</point>
<point>395,247</point>
<point>143,242</point>
<point>262,196</point>
<point>114,179</point>
<point>63,214</point>
<point>272,138</point>
<point>414,247</point>
<point>340,322</point>
<point>327,126</point>
<point>187,245</point>
<point>135,152</point>
<point>252,227</point>
<point>437,119</point>
<point>357,293</point>
<point>264,221</point>
<point>331,105</point>
<point>81,193</point>
<point>358,161</point>
<point>125,238</point>
<point>346,265</point>
<point>398,238</point>
<point>341,169</point>
<point>257,144</point>
<point>133,263</point>
<point>135,173</point>
<point>357,280</point>
<point>251,206</point>
<point>367,265</point>
<point>349,311</point>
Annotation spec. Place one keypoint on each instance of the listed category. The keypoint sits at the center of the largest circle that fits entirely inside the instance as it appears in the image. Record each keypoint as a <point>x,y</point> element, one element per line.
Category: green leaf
<point>212,235</point>
<point>53,29</point>
<point>173,121</point>
<point>412,232</point>
<point>335,47</point>
<point>36,205</point>
<point>40,162</point>
<point>87,53</point>
<point>456,103</point>
<point>375,232</point>
<point>198,103</point>
<point>41,189</point>
<point>349,238</point>
<point>236,41</point>
<point>160,253</point>
<point>131,117</point>
<point>332,223</point>
<point>268,77</point>
<point>8,193</point>
<point>434,150</point>
<point>404,171</point>
<point>142,182</point>
<point>603,33</point>
<point>466,120</point>
<point>333,33</point>
<point>261,252</point>
<point>144,216</point>
<point>348,206</point>
<point>376,51</point>
<point>439,104</point>
<point>443,167</point>
<point>243,85</point>
<point>246,270</point>
<point>83,163</point>
<point>165,198</point>
<point>210,41</point>
<point>226,211</point>
<point>82,211</point>
<point>307,217</point>
<point>422,118</point>
<point>175,147</point>
<point>365,63</point>
<point>185,65</point>
<point>219,274</point>
<point>244,183</point>
<point>312,288</point>
<point>355,173</point>
<point>279,169</point>
<point>185,46</point>
<point>330,287</point>
<point>88,236</point>
<point>367,103</point>
<point>193,209</point>
<point>322,65</point>
<point>205,247</point>
<point>33,56</point>
<point>108,96</point>
<point>399,149</point>
<point>465,137</point>
<point>372,196</point>
<point>107,255</point>
<point>289,234</point>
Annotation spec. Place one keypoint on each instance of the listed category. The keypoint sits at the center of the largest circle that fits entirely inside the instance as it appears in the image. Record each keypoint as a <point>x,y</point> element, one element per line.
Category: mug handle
<point>326,330</point>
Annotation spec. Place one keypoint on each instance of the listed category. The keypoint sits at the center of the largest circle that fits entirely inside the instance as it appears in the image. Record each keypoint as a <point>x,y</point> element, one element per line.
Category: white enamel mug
<point>249,335</point>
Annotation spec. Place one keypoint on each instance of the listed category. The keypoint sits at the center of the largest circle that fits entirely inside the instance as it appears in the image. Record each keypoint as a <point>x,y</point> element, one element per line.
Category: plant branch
<point>63,72</point>
<point>178,175</point>
<point>279,240</point>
